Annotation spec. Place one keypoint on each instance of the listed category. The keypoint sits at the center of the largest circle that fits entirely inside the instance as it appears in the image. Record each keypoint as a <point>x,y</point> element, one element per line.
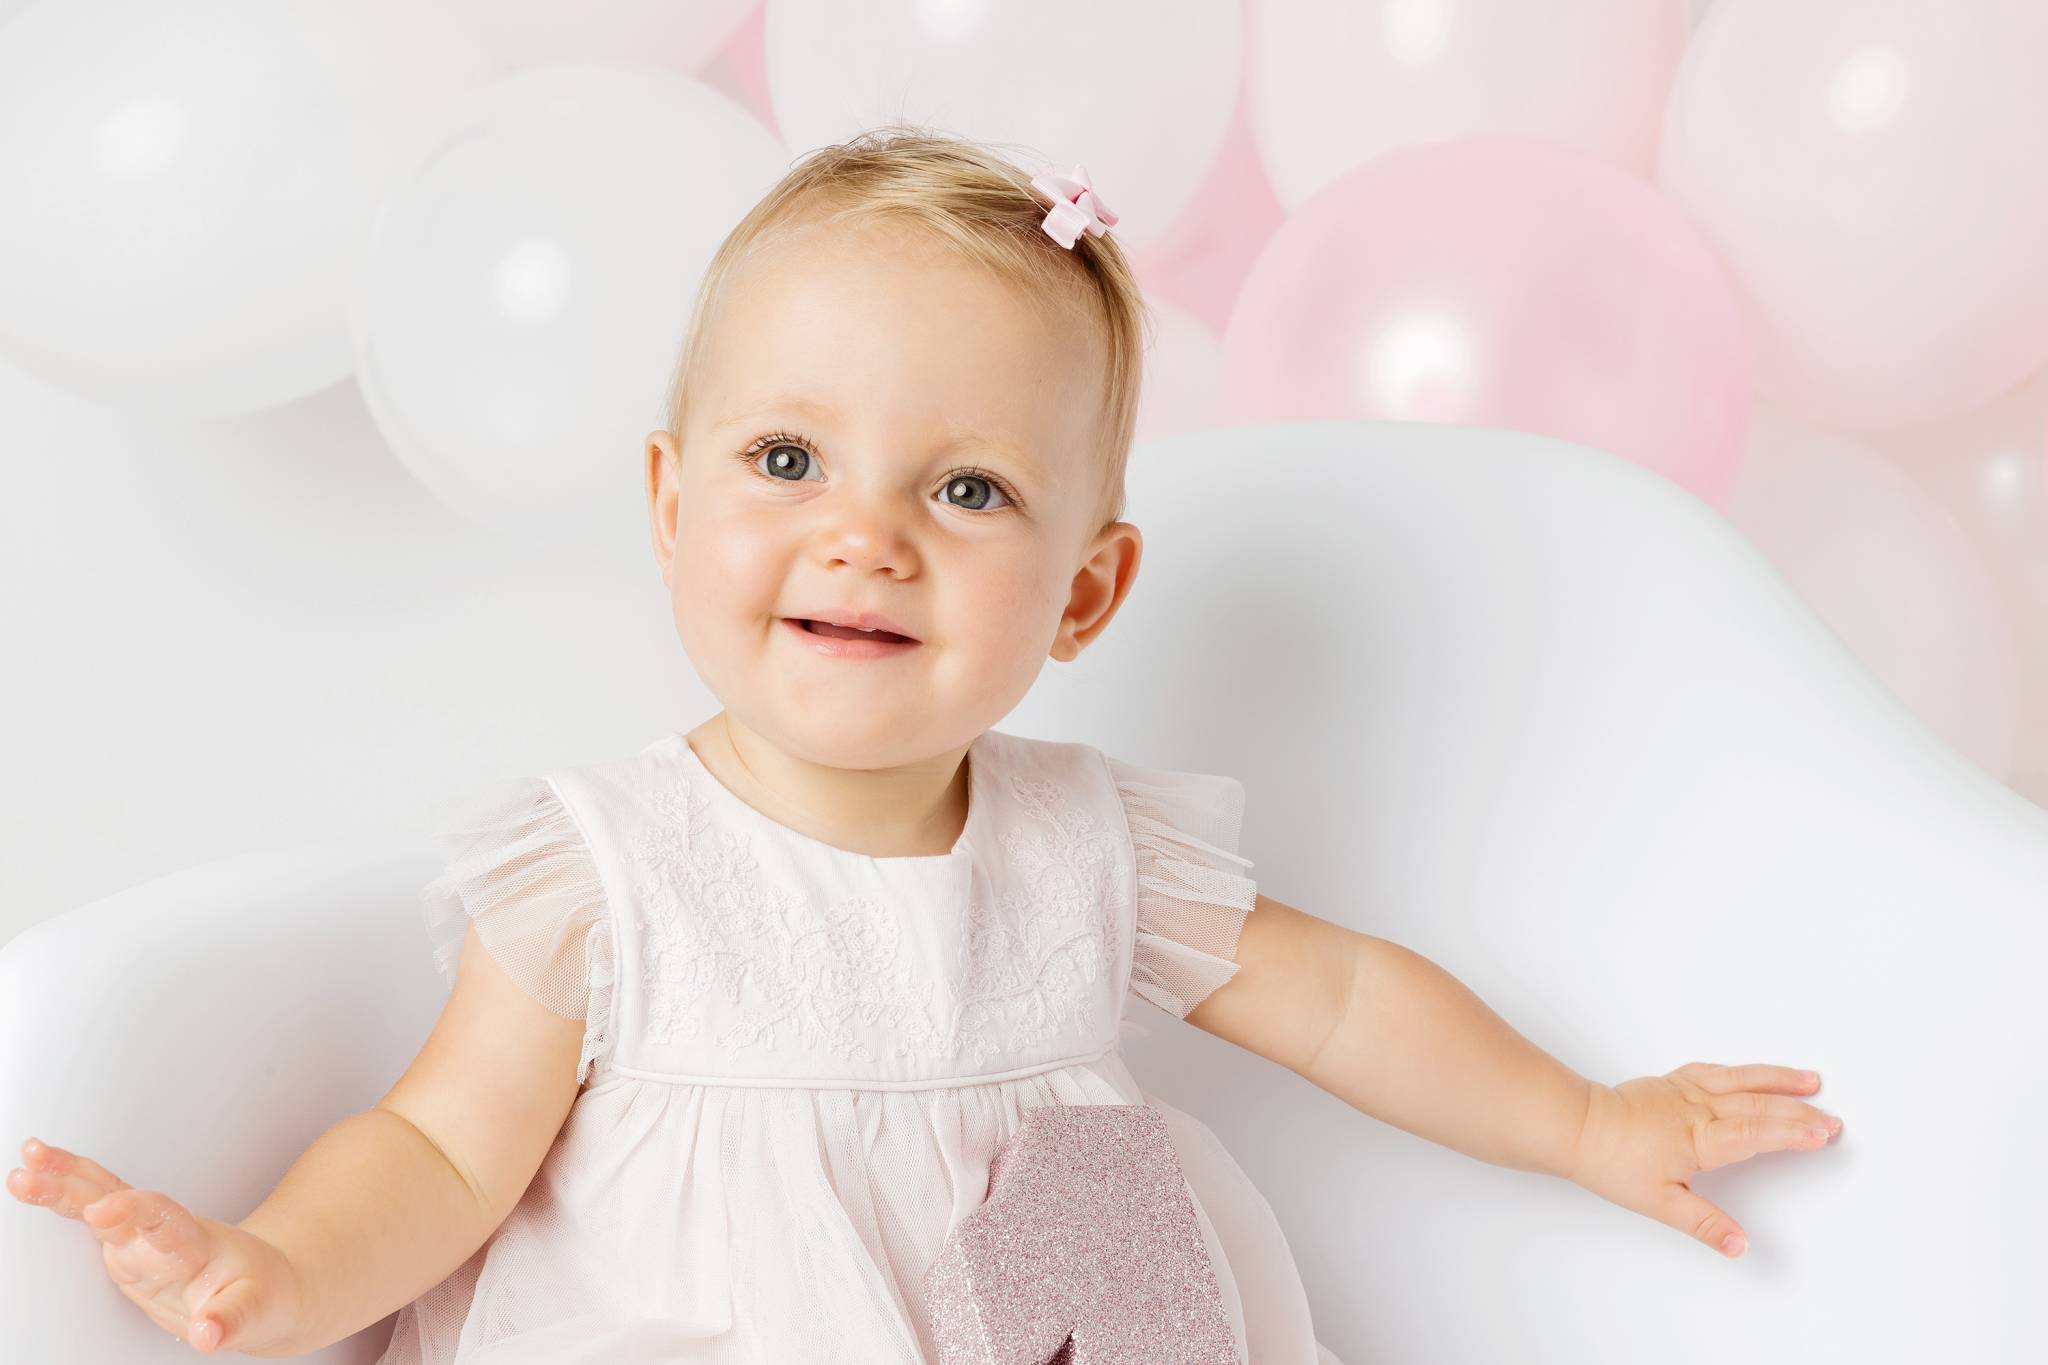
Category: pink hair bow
<point>1075,207</point>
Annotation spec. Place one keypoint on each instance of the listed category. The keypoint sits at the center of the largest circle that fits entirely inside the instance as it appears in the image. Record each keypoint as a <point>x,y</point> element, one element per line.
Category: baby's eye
<point>968,479</point>
<point>784,456</point>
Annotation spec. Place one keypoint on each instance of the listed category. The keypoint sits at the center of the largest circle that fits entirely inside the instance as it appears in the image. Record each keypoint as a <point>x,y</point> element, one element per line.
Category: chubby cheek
<point>723,588</point>
<point>1002,618</point>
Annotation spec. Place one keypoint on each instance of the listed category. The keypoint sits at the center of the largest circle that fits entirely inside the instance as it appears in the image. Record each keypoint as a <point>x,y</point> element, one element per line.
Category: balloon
<point>1336,83</point>
<point>1181,369</point>
<point>1501,282</point>
<point>1892,574</point>
<point>1137,93</point>
<point>1987,468</point>
<point>189,188</point>
<point>741,71</point>
<point>529,286</point>
<point>680,37</point>
<point>1876,174</point>
<point>1201,260</point>
<point>1087,1251</point>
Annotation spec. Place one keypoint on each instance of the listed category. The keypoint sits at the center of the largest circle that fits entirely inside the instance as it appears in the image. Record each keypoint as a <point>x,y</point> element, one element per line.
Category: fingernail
<point>1733,1243</point>
<point>1809,1076</point>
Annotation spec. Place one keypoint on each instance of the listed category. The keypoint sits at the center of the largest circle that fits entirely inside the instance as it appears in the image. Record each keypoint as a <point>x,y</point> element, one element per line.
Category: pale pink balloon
<point>741,70</point>
<point>2031,783</point>
<point>1502,282</point>
<point>1204,254</point>
<point>1336,83</point>
<point>1986,468</point>
<point>1894,576</point>
<point>1876,174</point>
<point>1181,366</point>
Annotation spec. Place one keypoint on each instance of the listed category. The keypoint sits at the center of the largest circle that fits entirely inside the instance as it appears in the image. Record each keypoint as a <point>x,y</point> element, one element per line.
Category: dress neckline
<point>977,750</point>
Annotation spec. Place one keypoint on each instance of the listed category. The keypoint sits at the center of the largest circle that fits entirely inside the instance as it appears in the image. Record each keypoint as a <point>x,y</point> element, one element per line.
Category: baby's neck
<point>910,812</point>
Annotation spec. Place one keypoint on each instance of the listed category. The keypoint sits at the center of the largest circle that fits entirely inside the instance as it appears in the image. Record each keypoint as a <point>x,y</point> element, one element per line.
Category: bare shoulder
<point>1288,995</point>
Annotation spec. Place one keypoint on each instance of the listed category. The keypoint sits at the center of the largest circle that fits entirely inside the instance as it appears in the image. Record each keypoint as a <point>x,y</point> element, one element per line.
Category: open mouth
<point>851,632</point>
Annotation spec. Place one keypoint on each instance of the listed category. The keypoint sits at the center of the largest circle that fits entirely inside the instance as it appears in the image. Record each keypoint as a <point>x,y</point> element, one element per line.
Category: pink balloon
<point>1503,282</point>
<point>1201,260</point>
<point>1180,376</point>
<point>741,69</point>
<point>1986,467</point>
<point>1087,1251</point>
<point>1876,174</point>
<point>1894,575</point>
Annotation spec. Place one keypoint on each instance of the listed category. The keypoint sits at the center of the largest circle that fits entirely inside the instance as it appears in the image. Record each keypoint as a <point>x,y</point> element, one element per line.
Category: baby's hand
<point>207,1283</point>
<point>1643,1139</point>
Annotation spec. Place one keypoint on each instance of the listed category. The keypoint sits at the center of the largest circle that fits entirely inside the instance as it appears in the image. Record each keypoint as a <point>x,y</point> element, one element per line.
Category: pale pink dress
<point>799,1060</point>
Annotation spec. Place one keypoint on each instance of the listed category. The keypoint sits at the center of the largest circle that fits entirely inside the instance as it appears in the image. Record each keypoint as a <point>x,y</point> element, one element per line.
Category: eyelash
<point>753,451</point>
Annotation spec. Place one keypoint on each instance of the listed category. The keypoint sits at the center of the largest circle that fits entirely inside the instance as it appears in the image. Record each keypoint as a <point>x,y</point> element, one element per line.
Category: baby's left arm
<point>1396,1037</point>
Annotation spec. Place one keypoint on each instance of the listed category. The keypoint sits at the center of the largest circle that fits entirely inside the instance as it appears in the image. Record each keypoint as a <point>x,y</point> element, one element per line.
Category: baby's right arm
<point>379,1209</point>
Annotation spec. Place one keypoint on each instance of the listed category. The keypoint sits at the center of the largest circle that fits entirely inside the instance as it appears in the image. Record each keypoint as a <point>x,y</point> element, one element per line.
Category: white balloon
<point>529,285</point>
<point>1335,83</point>
<point>1137,93</point>
<point>680,36</point>
<point>189,187</point>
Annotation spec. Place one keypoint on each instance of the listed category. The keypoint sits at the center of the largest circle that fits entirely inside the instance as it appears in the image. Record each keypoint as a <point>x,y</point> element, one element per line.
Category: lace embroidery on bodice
<point>750,951</point>
<point>790,965</point>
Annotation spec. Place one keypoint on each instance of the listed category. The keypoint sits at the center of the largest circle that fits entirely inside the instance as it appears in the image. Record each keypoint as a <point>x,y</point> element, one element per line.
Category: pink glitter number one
<point>1086,1252</point>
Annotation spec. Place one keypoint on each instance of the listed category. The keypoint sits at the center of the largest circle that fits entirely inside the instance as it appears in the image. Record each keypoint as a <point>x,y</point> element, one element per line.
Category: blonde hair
<point>967,195</point>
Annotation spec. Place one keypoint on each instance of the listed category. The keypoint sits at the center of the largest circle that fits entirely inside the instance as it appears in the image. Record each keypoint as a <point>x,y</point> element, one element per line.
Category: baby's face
<point>881,427</point>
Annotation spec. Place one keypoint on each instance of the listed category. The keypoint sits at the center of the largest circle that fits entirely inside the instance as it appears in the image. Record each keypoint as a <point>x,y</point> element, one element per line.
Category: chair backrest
<point>194,1034</point>
<point>1518,705</point>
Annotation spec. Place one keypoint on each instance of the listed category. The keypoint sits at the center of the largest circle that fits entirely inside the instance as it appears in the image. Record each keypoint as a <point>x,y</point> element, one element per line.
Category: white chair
<point>1515,704</point>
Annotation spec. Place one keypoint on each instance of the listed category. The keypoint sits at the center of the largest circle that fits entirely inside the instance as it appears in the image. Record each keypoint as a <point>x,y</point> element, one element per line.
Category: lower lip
<point>837,648</point>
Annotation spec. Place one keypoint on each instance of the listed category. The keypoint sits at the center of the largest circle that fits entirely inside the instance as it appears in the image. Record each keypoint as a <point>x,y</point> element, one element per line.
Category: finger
<point>1773,1107</point>
<point>112,1216</point>
<point>1723,1080</point>
<point>219,1322</point>
<point>60,1193</point>
<point>1743,1136</point>
<point>37,1155</point>
<point>127,1215</point>
<point>1700,1220</point>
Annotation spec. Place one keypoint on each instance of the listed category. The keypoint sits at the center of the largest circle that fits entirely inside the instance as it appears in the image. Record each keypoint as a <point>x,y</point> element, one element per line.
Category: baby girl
<point>739,1021</point>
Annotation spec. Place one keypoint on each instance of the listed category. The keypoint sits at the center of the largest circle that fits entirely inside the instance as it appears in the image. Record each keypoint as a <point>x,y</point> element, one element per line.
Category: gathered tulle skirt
<point>755,1225</point>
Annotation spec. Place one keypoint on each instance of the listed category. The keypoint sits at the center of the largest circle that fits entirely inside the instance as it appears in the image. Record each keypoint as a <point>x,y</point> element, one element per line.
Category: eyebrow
<point>817,410</point>
<point>787,403</point>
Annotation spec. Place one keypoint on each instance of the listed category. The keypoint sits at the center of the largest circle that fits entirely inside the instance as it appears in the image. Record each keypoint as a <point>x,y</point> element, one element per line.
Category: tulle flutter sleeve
<point>517,867</point>
<point>1193,891</point>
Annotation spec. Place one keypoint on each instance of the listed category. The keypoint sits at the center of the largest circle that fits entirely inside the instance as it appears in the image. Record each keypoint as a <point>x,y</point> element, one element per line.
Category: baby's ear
<point>1102,583</point>
<point>664,459</point>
